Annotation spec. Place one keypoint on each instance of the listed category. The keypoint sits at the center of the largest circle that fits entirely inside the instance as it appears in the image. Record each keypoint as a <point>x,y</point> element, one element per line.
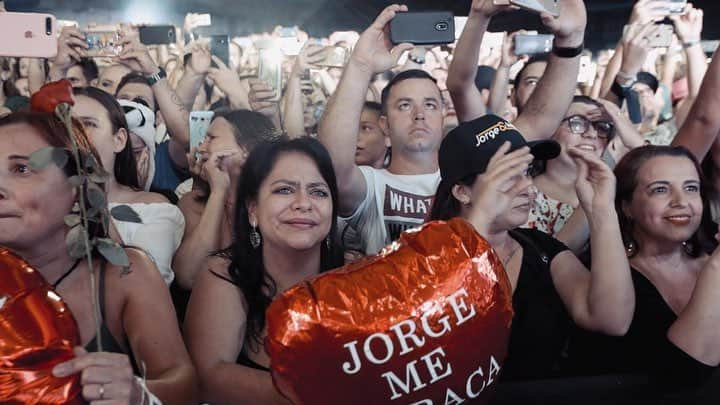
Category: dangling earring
<point>630,249</point>
<point>255,237</point>
<point>328,242</point>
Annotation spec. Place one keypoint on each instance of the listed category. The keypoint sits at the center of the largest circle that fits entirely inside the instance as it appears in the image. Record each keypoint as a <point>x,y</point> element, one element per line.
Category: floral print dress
<point>548,215</point>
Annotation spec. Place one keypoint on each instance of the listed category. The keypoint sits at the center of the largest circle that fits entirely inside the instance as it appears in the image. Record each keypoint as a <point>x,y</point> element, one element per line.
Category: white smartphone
<point>588,70</point>
<point>199,124</point>
<point>32,35</point>
<point>662,38</point>
<point>527,44</point>
<point>203,20</point>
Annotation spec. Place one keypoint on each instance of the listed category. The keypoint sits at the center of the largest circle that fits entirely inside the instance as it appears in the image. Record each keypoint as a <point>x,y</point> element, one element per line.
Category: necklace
<point>512,253</point>
<point>67,273</point>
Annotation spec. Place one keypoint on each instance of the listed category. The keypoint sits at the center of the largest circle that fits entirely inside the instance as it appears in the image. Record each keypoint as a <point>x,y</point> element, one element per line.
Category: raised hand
<point>689,25</point>
<point>201,58</point>
<point>374,52</point>
<point>488,8</point>
<point>494,190</point>
<point>263,98</point>
<point>595,184</point>
<point>71,48</point>
<point>636,47</point>
<point>135,55</point>
<point>569,26</point>
<point>509,57</point>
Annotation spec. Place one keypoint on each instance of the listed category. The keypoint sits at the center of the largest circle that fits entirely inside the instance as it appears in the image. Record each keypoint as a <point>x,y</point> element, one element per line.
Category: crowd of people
<point>601,197</point>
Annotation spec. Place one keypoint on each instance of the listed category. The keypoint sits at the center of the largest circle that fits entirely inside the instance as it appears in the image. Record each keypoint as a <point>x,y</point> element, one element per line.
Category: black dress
<point>541,323</point>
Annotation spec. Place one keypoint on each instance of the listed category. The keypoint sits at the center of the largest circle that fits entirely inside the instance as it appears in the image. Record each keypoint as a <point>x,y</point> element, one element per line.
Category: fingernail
<point>61,370</point>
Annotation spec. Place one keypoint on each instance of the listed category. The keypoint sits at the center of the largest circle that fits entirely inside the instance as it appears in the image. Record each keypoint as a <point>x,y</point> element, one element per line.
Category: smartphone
<point>675,6</point>
<point>270,68</point>
<point>662,38</point>
<point>102,42</point>
<point>335,56</point>
<point>204,20</point>
<point>538,6</point>
<point>423,28</point>
<point>32,35</point>
<point>588,70</point>
<point>220,47</point>
<point>157,34</point>
<point>199,124</point>
<point>533,44</point>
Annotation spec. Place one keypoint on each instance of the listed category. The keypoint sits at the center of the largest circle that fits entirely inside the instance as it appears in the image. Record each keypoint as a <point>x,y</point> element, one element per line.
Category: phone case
<point>220,48</point>
<point>157,34</point>
<point>663,37</point>
<point>199,124</point>
<point>32,35</point>
<point>102,43</point>
<point>538,6</point>
<point>270,69</point>
<point>335,56</point>
<point>533,44</point>
<point>423,28</point>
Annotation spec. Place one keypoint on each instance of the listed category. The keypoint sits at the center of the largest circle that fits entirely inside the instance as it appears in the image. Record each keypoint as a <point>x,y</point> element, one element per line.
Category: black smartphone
<point>219,46</point>
<point>157,34</point>
<point>423,28</point>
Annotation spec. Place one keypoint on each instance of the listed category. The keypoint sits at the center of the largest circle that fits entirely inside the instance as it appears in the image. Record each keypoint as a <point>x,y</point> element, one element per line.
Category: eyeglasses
<point>579,125</point>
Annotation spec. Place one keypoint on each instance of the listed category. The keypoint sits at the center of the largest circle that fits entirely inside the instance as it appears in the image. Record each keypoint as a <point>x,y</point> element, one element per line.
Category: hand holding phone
<point>270,69</point>
<point>102,42</point>
<point>199,124</point>
<point>538,6</point>
<point>220,47</point>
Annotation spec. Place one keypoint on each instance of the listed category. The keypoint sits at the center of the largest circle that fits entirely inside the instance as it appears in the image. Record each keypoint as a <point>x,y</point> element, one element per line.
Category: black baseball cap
<point>467,149</point>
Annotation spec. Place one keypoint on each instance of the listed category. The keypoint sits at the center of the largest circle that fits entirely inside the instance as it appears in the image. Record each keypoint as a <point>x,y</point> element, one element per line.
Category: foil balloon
<point>37,331</point>
<point>425,322</point>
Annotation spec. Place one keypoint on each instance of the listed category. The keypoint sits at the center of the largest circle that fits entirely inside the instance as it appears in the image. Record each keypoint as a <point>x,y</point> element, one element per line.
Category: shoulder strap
<point>519,236</point>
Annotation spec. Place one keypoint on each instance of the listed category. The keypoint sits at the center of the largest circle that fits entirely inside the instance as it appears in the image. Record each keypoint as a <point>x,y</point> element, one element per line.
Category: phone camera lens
<point>48,26</point>
<point>441,26</point>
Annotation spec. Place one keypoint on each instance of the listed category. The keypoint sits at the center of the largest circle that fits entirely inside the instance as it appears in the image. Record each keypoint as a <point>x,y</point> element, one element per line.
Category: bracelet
<point>690,44</point>
<point>161,74</point>
<point>568,52</point>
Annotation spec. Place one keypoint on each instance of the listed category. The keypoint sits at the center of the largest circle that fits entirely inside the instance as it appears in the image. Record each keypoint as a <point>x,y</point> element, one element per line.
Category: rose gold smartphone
<point>32,35</point>
<point>538,6</point>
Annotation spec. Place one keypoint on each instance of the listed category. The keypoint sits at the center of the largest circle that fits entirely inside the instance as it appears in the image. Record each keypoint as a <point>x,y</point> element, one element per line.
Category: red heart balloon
<point>425,322</point>
<point>37,331</point>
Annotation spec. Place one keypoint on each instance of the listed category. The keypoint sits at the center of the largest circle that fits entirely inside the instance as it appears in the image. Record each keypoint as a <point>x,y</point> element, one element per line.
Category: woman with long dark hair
<point>285,217</point>
<point>163,224</point>
<point>485,166</point>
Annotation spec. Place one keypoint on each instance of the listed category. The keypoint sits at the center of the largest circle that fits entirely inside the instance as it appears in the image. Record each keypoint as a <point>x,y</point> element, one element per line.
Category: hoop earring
<point>255,238</point>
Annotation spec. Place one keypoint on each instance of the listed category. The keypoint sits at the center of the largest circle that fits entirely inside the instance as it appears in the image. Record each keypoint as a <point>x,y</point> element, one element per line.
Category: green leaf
<point>113,252</point>
<point>126,214</point>
<point>96,196</point>
<point>41,158</point>
<point>76,181</point>
<point>75,241</point>
<point>72,220</point>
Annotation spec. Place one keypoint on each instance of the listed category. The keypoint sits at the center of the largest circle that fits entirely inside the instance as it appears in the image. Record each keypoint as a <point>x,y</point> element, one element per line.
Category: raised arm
<point>135,55</point>
<point>194,75</point>
<point>293,118</point>
<point>689,28</point>
<point>603,299</point>
<point>204,235</point>
<point>700,129</point>
<point>338,128</point>
<point>466,97</point>
<point>501,82</point>
<point>548,104</point>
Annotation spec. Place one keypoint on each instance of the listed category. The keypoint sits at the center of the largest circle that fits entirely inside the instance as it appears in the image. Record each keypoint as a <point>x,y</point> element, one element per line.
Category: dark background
<point>319,17</point>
